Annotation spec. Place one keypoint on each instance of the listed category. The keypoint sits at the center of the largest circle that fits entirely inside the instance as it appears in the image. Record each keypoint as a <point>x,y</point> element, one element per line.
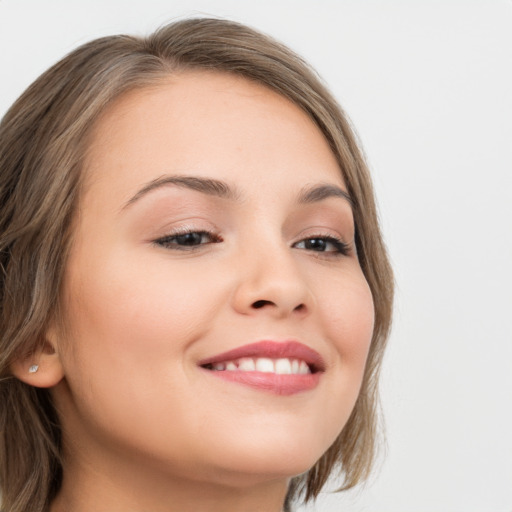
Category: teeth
<point>265,365</point>
<point>282,366</point>
<point>303,368</point>
<point>246,364</point>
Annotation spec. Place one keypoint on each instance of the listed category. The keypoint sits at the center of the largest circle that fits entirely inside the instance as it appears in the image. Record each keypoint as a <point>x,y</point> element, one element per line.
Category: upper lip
<point>272,350</point>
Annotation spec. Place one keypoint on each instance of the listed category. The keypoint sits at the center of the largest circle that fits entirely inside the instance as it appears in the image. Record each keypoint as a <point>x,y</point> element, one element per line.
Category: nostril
<point>261,303</point>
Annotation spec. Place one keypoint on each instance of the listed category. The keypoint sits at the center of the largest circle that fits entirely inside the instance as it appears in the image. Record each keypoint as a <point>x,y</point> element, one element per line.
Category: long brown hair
<point>43,141</point>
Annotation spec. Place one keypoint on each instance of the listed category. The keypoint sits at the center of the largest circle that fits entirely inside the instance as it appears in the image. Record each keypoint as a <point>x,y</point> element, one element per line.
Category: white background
<point>428,84</point>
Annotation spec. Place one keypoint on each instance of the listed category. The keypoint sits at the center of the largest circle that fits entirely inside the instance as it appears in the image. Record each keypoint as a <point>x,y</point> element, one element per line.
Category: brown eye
<point>190,239</point>
<point>323,244</point>
<point>187,240</point>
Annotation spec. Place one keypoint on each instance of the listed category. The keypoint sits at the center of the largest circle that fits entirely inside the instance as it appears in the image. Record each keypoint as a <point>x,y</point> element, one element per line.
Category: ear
<point>42,368</point>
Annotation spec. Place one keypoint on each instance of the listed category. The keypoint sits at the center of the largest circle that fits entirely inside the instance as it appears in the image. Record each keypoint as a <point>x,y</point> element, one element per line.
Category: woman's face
<point>213,219</point>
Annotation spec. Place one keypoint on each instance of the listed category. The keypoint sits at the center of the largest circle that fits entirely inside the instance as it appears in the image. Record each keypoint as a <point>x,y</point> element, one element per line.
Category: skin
<point>144,428</point>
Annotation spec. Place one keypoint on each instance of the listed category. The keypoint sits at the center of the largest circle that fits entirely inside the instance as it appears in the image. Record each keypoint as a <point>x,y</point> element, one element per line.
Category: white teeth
<point>265,365</point>
<point>281,366</point>
<point>303,368</point>
<point>246,364</point>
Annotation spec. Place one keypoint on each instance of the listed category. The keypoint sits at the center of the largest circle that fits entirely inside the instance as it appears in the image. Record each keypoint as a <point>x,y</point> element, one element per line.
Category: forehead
<point>211,124</point>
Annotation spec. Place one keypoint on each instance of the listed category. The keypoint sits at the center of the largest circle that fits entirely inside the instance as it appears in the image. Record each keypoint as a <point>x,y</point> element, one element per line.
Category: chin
<point>278,455</point>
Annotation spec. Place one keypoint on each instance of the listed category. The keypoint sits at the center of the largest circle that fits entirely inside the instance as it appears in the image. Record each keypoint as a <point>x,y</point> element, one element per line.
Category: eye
<point>188,240</point>
<point>327,244</point>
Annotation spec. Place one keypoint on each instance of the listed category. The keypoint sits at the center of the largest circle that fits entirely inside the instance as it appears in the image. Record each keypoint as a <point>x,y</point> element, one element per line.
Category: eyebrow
<point>316,193</point>
<point>207,186</point>
<point>210,186</point>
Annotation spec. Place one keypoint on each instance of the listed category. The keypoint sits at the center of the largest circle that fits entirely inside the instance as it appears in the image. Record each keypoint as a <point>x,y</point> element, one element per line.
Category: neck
<point>119,488</point>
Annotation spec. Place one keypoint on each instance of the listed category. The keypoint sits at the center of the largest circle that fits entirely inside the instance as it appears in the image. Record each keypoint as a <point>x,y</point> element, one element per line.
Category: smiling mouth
<point>280,368</point>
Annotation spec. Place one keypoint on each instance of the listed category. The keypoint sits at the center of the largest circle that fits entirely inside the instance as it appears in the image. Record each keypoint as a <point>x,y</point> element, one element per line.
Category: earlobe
<point>41,368</point>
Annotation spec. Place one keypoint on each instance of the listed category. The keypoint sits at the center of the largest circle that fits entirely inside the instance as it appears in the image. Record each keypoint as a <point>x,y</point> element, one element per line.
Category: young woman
<point>195,295</point>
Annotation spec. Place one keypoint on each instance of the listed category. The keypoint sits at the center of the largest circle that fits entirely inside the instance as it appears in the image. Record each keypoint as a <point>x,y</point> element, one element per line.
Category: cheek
<point>135,305</point>
<point>348,313</point>
<point>131,324</point>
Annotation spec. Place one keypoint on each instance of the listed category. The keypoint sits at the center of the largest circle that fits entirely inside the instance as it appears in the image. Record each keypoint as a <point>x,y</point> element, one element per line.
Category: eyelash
<point>171,241</point>
<point>340,247</point>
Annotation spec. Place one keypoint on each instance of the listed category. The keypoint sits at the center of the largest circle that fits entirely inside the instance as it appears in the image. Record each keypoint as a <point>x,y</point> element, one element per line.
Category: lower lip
<point>274,383</point>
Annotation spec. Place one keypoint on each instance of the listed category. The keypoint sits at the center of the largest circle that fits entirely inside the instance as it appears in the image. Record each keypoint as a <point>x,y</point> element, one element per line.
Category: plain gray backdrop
<point>428,86</point>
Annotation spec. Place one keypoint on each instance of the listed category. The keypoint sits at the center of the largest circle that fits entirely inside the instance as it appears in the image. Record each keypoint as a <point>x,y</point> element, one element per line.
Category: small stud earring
<point>33,368</point>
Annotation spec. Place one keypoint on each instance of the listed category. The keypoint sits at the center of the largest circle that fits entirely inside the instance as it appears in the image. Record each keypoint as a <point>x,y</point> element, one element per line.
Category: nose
<point>270,282</point>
